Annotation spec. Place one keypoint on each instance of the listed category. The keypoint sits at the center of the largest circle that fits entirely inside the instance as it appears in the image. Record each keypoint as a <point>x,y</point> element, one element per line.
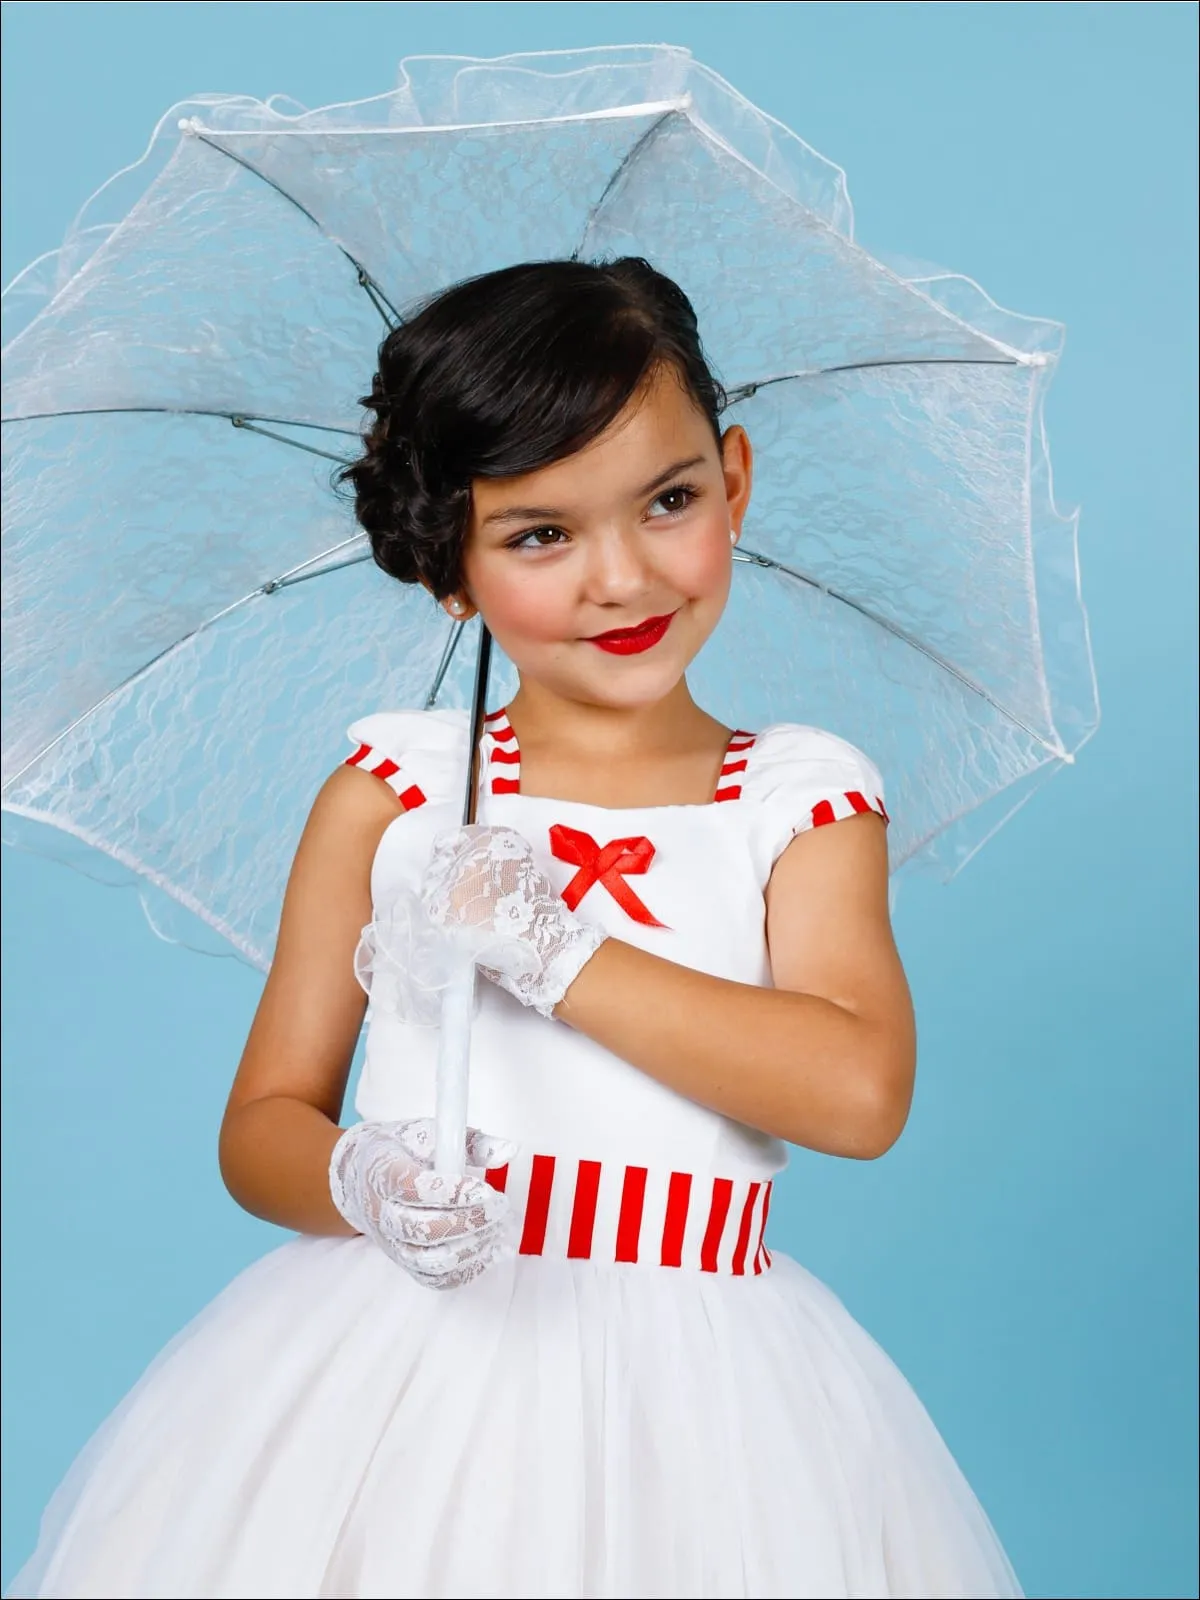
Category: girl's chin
<point>618,688</point>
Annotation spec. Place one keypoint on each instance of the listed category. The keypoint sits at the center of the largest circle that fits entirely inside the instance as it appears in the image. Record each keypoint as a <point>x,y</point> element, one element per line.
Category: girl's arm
<point>826,1059</point>
<point>280,1123</point>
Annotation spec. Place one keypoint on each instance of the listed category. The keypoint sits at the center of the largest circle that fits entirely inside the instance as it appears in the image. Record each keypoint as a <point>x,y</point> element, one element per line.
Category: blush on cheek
<point>524,605</point>
<point>699,567</point>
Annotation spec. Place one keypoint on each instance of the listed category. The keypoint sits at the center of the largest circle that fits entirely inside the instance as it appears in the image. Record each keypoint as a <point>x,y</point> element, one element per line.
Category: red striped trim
<point>882,809</point>
<point>629,1223</point>
<point>678,1191</point>
<point>537,1207</point>
<point>568,1208</point>
<point>743,1238</point>
<point>501,731</point>
<point>722,1194</point>
<point>583,1212</point>
<point>384,768</point>
<point>739,740</point>
<point>761,1251</point>
<point>824,812</point>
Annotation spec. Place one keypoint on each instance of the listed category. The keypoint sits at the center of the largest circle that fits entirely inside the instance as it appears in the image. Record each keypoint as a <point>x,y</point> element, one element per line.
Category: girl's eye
<point>682,494</point>
<point>537,539</point>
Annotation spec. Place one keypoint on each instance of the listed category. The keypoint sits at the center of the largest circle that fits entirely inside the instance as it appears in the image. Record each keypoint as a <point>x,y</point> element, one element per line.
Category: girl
<point>625,1391</point>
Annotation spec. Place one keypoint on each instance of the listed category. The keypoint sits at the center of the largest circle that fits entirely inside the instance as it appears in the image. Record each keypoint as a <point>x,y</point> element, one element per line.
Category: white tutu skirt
<point>554,1428</point>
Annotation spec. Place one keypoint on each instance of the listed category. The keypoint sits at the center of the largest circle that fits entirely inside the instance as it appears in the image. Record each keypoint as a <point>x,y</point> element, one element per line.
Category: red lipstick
<point>632,641</point>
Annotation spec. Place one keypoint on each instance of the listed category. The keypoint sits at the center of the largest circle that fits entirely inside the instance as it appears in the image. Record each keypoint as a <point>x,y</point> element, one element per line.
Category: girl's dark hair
<point>502,374</point>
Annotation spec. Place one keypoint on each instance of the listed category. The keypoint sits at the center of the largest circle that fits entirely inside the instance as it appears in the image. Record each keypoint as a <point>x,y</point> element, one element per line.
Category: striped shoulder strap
<point>729,784</point>
<point>368,759</point>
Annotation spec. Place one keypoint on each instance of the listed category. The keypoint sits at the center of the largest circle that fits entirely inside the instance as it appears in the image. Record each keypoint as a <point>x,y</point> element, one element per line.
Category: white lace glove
<point>442,1230</point>
<point>482,884</point>
<point>404,963</point>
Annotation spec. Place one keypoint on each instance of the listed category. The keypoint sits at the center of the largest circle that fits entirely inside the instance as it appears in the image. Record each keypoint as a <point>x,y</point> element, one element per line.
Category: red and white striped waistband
<point>608,1211</point>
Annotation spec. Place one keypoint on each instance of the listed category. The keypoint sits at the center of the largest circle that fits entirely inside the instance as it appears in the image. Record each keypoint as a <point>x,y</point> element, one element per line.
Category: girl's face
<point>601,575</point>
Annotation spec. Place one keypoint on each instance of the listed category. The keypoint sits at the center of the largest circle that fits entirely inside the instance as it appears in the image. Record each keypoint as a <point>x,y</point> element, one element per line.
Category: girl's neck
<point>543,720</point>
<point>668,753</point>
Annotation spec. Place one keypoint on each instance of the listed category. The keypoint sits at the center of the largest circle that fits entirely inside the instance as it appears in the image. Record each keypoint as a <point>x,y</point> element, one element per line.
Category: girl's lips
<point>632,641</point>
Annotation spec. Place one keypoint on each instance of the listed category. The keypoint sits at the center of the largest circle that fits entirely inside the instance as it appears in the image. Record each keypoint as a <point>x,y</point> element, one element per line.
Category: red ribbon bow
<point>606,865</point>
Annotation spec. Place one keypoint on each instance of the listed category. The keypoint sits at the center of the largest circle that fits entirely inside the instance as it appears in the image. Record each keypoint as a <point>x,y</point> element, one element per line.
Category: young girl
<point>625,1391</point>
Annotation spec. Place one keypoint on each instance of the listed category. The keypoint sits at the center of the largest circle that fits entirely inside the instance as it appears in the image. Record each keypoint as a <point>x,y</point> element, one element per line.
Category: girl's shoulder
<point>420,755</point>
<point>807,776</point>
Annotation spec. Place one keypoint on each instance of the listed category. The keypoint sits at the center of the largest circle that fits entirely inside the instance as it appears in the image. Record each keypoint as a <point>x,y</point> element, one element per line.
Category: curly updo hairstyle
<point>502,374</point>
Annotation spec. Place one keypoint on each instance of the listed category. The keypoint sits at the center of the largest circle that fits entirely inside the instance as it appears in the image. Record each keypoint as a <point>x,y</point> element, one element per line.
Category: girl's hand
<point>442,1230</point>
<point>482,884</point>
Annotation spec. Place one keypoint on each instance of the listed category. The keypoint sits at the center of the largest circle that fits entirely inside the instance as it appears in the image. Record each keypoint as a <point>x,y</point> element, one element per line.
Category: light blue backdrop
<point>1026,1253</point>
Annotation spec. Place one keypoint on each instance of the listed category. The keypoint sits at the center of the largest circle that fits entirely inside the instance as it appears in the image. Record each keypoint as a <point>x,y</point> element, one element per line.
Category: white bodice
<point>537,1080</point>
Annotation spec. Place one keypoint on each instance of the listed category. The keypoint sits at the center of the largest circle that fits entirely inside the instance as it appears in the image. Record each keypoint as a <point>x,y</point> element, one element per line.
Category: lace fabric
<point>443,1230</point>
<point>405,962</point>
<point>483,884</point>
<point>173,690</point>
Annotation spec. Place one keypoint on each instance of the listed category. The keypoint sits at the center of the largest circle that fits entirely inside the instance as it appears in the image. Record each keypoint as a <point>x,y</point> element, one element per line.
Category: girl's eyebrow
<point>530,513</point>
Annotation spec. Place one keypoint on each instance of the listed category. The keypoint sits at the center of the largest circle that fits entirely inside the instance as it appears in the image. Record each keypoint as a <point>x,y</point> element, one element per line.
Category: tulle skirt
<point>326,1427</point>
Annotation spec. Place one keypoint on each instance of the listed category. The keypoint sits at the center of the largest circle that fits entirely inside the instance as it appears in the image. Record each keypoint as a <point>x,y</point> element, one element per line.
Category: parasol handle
<point>458,999</point>
<point>454,1055</point>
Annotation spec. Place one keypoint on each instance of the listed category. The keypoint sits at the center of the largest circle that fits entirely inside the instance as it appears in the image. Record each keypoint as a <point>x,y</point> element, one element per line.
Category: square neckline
<point>500,776</point>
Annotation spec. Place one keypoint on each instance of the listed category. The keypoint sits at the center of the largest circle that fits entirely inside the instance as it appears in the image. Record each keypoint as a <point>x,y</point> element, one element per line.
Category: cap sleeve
<point>804,777</point>
<point>420,755</point>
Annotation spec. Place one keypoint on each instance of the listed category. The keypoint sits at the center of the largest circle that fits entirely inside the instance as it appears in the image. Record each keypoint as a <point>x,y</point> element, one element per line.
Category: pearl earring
<point>733,538</point>
<point>456,606</point>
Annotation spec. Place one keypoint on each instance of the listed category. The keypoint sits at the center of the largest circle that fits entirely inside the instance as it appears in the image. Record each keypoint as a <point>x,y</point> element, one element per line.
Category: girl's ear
<point>737,459</point>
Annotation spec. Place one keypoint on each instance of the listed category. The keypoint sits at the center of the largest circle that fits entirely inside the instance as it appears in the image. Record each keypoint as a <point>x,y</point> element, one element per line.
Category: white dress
<point>646,1401</point>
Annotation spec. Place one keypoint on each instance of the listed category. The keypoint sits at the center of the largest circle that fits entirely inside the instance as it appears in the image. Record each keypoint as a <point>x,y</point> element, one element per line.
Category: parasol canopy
<point>191,618</point>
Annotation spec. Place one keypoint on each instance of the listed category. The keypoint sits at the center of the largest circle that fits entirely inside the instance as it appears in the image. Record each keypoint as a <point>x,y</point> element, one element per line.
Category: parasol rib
<point>245,417</point>
<point>298,574</point>
<point>248,426</point>
<point>753,558</point>
<point>451,645</point>
<point>636,148</point>
<point>391,317</point>
<point>747,391</point>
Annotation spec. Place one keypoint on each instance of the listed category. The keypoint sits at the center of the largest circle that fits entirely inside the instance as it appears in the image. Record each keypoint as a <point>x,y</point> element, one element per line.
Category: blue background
<point>1026,1253</point>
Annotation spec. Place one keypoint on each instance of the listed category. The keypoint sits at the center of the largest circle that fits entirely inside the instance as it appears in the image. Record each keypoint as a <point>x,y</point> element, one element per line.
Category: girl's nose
<point>617,570</point>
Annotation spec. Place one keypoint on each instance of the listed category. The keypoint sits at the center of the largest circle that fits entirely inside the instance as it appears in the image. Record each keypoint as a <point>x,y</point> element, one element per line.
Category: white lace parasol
<point>190,622</point>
